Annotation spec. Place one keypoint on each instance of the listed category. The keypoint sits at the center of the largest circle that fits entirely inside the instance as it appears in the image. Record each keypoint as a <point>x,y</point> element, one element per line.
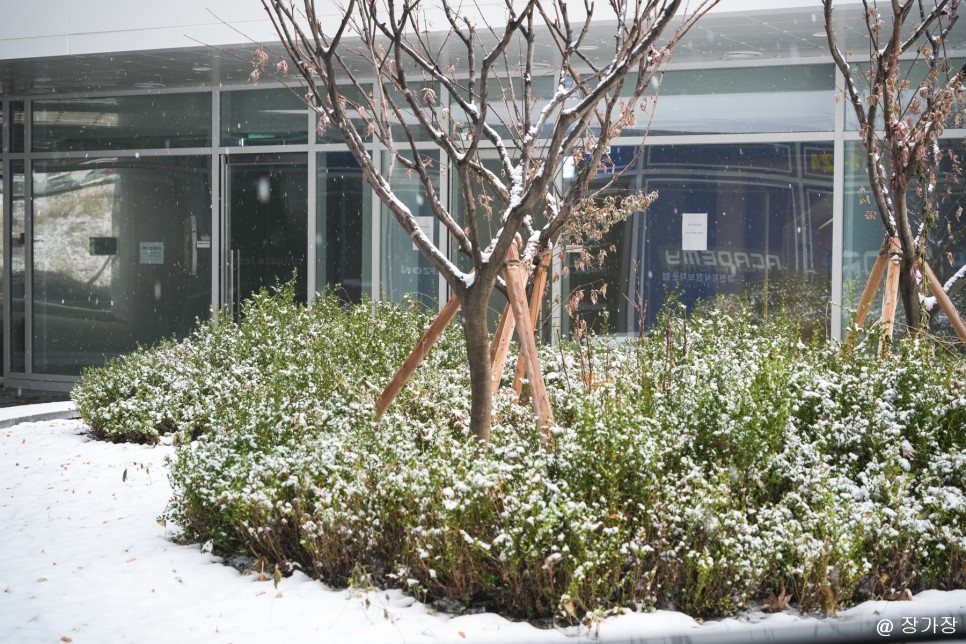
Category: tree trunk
<point>908,269</point>
<point>477,337</point>
<point>909,293</point>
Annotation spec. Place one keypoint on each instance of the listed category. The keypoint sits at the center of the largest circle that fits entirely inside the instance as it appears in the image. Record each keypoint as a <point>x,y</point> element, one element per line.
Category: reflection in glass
<point>122,122</point>
<point>946,238</point>
<point>263,117</point>
<point>759,218</point>
<point>343,227</point>
<point>121,256</point>
<point>404,269</point>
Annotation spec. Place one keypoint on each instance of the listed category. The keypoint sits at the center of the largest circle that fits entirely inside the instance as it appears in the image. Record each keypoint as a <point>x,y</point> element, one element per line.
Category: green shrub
<point>703,467</point>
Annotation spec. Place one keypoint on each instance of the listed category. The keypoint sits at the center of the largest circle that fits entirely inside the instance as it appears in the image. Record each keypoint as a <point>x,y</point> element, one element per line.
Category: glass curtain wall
<point>3,250</point>
<point>736,219</point>
<point>14,245</point>
<point>489,209</point>
<point>761,214</point>
<point>743,100</point>
<point>732,216</point>
<point>119,246</point>
<point>4,122</point>
<point>116,259</point>
<point>120,250</point>
<point>17,125</point>
<point>18,261</point>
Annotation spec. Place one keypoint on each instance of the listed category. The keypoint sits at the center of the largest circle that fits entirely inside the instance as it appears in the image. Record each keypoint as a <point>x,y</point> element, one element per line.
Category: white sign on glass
<point>152,252</point>
<point>428,226</point>
<point>694,231</point>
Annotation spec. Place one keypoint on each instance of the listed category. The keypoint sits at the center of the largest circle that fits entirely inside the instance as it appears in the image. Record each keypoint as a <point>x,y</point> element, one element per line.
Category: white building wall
<point>38,28</point>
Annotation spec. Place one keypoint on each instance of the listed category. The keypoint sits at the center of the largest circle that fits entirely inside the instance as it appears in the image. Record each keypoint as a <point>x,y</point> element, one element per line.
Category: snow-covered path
<point>85,560</point>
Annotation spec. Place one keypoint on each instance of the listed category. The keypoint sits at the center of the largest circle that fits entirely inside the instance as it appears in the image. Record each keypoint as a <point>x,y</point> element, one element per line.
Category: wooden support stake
<point>890,298</point>
<point>945,303</point>
<point>536,299</point>
<point>419,352</point>
<point>501,345</point>
<point>875,278</point>
<point>516,293</point>
<point>868,294</point>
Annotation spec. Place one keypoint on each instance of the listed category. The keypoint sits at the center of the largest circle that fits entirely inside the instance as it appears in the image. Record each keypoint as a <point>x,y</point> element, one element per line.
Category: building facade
<point>145,181</point>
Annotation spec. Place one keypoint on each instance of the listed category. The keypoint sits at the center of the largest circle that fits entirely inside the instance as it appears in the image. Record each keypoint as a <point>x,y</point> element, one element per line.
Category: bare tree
<point>904,91</point>
<point>382,69</point>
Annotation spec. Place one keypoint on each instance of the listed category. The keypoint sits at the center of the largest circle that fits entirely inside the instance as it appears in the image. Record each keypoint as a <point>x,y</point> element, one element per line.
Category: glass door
<point>265,215</point>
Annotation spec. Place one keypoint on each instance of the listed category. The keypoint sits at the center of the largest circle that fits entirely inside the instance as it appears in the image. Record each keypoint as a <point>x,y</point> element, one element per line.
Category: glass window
<point>121,256</point>
<point>122,122</point>
<point>404,270</point>
<point>915,73</point>
<point>748,219</point>
<point>263,117</point>
<point>489,210</point>
<point>504,99</point>
<point>15,246</point>
<point>424,91</point>
<point>862,234</point>
<point>783,98</point>
<point>343,226</point>
<point>17,126</point>
<point>598,274</point>
<point>331,133</point>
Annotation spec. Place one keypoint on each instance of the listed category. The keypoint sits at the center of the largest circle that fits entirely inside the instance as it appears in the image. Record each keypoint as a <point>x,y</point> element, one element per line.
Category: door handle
<point>236,283</point>
<point>194,245</point>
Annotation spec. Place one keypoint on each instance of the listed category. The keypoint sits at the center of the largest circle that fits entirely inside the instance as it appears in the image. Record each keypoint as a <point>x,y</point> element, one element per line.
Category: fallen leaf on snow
<point>777,603</point>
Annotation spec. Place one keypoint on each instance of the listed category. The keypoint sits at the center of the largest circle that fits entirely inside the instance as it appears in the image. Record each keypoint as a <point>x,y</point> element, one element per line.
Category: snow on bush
<point>708,465</point>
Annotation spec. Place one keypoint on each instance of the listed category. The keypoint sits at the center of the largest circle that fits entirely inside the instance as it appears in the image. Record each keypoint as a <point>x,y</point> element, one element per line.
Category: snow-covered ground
<point>85,560</point>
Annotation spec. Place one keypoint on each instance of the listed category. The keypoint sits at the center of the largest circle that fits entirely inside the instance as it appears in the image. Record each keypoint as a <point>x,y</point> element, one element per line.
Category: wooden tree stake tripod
<point>888,262</point>
<point>514,315</point>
